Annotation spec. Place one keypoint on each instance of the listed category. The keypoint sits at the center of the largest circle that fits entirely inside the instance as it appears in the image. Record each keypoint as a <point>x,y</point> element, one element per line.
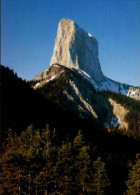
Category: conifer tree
<point>100,179</point>
<point>21,162</point>
<point>133,183</point>
<point>45,180</point>
<point>10,169</point>
<point>30,153</point>
<point>78,141</point>
<point>65,172</point>
<point>82,163</point>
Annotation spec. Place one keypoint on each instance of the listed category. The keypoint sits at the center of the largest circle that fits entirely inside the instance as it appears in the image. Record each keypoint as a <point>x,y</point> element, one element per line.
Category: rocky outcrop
<point>119,113</point>
<point>78,50</point>
<point>75,48</point>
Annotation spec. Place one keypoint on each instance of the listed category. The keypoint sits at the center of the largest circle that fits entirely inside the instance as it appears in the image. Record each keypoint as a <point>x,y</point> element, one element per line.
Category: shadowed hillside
<point>22,106</point>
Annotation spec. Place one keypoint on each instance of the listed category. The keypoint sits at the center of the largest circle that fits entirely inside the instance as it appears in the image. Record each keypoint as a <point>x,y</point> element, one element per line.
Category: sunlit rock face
<point>78,50</point>
<point>75,48</point>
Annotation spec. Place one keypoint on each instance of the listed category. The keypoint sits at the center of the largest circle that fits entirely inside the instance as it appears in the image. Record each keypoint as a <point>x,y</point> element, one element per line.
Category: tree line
<point>36,163</point>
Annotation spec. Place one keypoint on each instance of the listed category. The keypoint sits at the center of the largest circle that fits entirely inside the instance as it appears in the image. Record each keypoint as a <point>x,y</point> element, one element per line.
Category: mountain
<point>65,97</point>
<point>77,49</point>
<point>78,84</point>
<point>75,93</point>
<point>22,106</point>
<point>68,99</point>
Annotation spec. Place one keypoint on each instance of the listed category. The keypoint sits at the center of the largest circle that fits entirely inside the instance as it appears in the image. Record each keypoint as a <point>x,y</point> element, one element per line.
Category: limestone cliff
<point>75,48</point>
<point>119,113</point>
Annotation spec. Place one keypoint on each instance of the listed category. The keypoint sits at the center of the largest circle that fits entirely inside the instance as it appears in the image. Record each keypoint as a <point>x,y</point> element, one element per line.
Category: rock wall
<point>75,48</point>
<point>78,50</point>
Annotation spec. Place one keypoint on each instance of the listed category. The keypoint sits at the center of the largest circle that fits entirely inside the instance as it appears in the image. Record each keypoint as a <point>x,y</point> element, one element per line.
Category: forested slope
<point>133,116</point>
<point>22,106</point>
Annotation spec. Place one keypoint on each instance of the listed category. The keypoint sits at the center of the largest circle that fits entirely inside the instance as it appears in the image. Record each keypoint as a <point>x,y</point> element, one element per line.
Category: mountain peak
<point>78,50</point>
<point>75,48</point>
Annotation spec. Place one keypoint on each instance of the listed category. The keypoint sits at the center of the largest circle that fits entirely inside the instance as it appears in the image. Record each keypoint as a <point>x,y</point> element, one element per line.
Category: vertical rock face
<point>75,48</point>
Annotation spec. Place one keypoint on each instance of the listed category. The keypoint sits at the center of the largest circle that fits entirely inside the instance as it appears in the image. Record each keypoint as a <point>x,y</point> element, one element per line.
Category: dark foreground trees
<point>34,163</point>
<point>133,183</point>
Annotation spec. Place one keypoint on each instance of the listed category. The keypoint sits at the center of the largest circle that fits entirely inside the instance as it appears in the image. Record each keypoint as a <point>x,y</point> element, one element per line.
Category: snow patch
<point>53,76</point>
<point>90,35</point>
<point>55,65</point>
<point>123,91</point>
<point>131,92</point>
<point>36,85</point>
<point>88,77</point>
<point>108,84</point>
<point>114,122</point>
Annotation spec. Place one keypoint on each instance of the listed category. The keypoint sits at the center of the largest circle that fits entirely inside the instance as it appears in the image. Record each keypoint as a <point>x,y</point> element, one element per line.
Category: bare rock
<point>75,48</point>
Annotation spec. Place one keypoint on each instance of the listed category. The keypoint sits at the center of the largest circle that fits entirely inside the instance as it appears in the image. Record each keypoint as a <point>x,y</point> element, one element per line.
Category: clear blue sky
<point>29,30</point>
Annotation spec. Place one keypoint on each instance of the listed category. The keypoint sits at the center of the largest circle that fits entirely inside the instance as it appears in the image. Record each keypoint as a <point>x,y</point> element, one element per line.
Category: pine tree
<point>82,164</point>
<point>65,172</point>
<point>10,168</point>
<point>133,183</point>
<point>78,141</point>
<point>30,158</point>
<point>100,179</point>
<point>45,179</point>
<point>21,162</point>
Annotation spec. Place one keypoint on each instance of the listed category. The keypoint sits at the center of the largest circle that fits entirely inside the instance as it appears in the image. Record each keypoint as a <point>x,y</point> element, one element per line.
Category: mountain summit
<point>77,49</point>
<point>75,82</point>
